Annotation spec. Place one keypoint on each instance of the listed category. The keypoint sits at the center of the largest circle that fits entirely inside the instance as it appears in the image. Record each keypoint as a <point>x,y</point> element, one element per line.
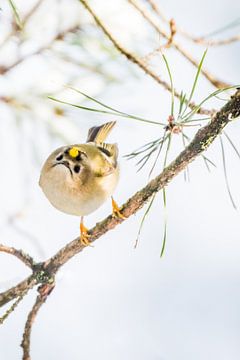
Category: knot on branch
<point>43,277</point>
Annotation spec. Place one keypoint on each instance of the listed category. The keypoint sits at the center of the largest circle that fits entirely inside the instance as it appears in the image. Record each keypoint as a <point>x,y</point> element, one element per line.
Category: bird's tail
<point>98,134</point>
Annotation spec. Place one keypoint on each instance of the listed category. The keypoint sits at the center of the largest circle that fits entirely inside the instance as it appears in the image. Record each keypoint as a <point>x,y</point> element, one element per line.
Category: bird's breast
<point>73,197</point>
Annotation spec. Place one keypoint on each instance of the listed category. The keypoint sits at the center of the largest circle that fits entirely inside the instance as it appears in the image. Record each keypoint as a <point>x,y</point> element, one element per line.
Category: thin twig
<point>13,306</point>
<point>41,298</point>
<point>17,290</point>
<point>135,59</point>
<point>31,12</point>
<point>168,44</point>
<point>59,36</point>
<point>151,20</point>
<point>197,40</point>
<point>211,42</point>
<point>25,258</point>
<point>172,26</point>
<point>24,21</point>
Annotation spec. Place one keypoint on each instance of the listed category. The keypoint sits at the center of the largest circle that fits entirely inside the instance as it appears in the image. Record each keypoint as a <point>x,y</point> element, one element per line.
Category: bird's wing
<point>111,152</point>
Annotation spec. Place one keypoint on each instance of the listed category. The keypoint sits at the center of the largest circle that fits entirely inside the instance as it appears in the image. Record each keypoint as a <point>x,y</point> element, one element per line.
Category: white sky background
<point>113,301</point>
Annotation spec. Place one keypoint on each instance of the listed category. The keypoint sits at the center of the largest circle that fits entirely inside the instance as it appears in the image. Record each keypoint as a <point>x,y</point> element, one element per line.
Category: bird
<point>77,179</point>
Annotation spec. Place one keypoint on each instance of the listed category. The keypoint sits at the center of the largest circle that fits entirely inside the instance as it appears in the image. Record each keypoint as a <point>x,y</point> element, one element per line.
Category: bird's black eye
<point>78,158</point>
<point>59,158</point>
<point>76,168</point>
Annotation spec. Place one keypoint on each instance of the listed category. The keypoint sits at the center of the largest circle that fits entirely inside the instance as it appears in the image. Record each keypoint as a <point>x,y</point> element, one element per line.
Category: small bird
<point>78,179</point>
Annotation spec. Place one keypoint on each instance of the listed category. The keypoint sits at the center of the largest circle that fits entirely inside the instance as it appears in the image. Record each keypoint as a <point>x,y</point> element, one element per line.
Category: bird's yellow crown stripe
<point>73,152</point>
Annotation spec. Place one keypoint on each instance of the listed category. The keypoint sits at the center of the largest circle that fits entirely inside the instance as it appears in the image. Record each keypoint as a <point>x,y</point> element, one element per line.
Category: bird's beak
<point>64,163</point>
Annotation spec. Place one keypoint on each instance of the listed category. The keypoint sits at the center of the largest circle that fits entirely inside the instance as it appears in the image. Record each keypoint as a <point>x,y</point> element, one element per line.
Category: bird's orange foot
<point>116,211</point>
<point>84,235</point>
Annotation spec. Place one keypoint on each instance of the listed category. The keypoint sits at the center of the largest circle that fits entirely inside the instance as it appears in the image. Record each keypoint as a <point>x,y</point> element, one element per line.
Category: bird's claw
<point>116,211</point>
<point>84,236</point>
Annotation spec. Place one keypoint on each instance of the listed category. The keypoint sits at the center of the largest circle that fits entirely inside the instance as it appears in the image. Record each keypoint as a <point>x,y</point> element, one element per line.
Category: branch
<point>136,60</point>
<point>148,16</point>
<point>220,42</point>
<point>41,298</point>
<point>17,290</point>
<point>196,40</point>
<point>25,258</point>
<point>13,306</point>
<point>59,36</point>
<point>24,21</point>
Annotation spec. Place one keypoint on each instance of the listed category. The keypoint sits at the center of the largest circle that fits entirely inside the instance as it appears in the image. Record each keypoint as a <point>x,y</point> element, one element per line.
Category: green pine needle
<point>182,101</point>
<point>112,112</point>
<point>16,14</point>
<point>171,82</point>
<point>143,220</point>
<point>186,171</point>
<point>165,222</point>
<point>195,81</point>
<point>225,174</point>
<point>232,144</point>
<point>230,25</point>
<point>191,113</point>
<point>206,159</point>
<point>159,152</point>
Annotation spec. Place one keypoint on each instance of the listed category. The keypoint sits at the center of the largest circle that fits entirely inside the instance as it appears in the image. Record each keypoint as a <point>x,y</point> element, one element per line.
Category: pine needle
<point>195,81</point>
<point>113,112</point>
<point>232,144</point>
<point>16,14</point>
<point>165,222</point>
<point>186,171</point>
<point>225,174</point>
<point>159,152</point>
<point>143,220</point>
<point>191,113</point>
<point>206,159</point>
<point>165,201</point>
<point>171,83</point>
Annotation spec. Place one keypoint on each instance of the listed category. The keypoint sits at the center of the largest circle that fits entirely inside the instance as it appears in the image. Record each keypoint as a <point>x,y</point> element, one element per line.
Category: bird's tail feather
<point>98,134</point>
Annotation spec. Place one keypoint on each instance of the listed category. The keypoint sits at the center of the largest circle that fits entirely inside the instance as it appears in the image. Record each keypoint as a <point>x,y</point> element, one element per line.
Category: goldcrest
<point>78,179</point>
